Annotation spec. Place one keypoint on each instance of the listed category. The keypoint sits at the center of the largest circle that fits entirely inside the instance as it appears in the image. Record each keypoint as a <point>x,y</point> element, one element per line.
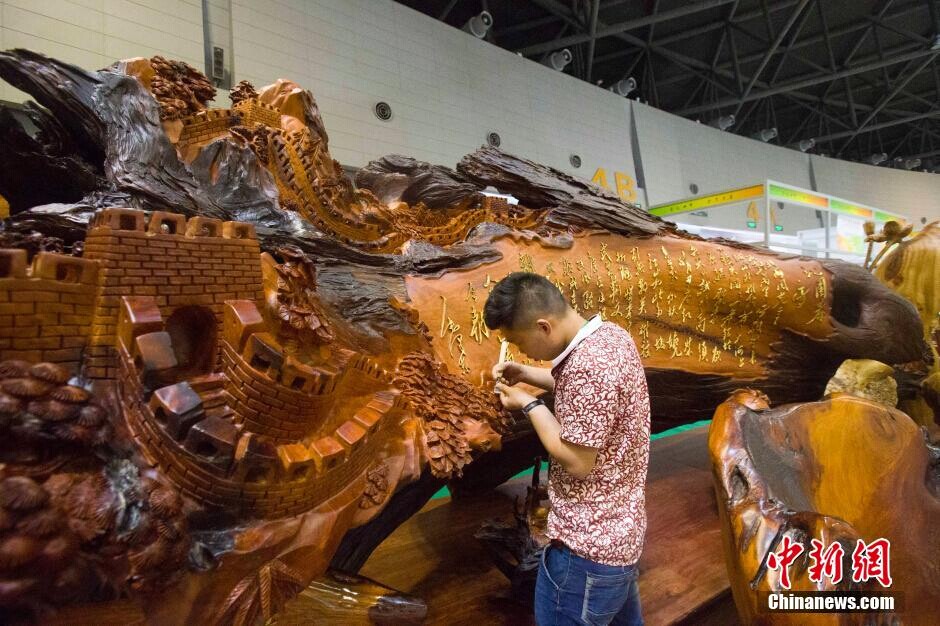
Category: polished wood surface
<point>844,469</point>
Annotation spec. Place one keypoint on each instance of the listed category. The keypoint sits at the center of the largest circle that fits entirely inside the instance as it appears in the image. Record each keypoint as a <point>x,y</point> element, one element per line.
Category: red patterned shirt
<point>601,401</point>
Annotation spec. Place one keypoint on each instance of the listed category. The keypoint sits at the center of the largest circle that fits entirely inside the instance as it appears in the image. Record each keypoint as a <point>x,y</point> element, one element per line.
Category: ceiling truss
<point>857,77</point>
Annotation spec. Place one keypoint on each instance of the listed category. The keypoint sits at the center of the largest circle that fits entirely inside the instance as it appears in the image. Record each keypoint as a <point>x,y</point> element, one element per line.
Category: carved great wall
<point>250,437</point>
<point>169,308</point>
<point>46,308</point>
<point>201,263</point>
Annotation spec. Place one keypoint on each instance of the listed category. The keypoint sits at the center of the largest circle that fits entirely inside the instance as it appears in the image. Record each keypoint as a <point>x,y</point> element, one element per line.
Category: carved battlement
<point>13,263</point>
<point>61,268</point>
<point>64,309</point>
<point>213,114</point>
<point>195,262</point>
<point>252,111</point>
<point>65,269</point>
<point>264,354</point>
<point>369,367</point>
<point>205,126</point>
<point>165,223</point>
<point>205,116</point>
<point>296,138</point>
<point>254,103</point>
<point>212,454</point>
<point>142,334</point>
<point>244,329</point>
<point>46,307</point>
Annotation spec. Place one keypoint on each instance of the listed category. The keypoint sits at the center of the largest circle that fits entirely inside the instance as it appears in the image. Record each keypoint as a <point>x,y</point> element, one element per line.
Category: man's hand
<point>514,373</point>
<point>513,399</point>
<point>510,372</point>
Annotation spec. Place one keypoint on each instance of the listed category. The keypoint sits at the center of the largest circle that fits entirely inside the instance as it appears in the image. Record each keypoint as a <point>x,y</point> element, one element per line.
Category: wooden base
<point>682,573</point>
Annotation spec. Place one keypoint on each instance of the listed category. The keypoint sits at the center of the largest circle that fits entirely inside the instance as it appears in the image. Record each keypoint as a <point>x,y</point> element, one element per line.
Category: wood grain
<point>838,470</point>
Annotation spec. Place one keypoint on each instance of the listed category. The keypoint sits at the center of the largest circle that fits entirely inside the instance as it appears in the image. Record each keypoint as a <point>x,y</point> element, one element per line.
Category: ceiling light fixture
<point>722,123</point>
<point>479,25</point>
<point>558,60</point>
<point>765,135</point>
<point>623,87</point>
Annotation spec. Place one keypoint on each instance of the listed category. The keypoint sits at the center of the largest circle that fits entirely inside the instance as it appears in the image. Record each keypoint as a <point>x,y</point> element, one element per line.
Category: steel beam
<point>595,7</point>
<point>809,82</point>
<point>737,66</point>
<point>793,40</point>
<point>887,98</point>
<point>706,28</point>
<point>864,24</point>
<point>900,144</point>
<point>518,28</point>
<point>770,52</point>
<point>623,27</point>
<point>904,96</point>
<point>901,31</point>
<point>924,155</point>
<point>934,16</point>
<point>861,40</point>
<point>906,120</point>
<point>447,10</point>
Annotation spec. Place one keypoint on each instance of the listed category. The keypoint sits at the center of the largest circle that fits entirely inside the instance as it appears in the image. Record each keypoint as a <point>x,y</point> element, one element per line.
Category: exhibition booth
<point>781,217</point>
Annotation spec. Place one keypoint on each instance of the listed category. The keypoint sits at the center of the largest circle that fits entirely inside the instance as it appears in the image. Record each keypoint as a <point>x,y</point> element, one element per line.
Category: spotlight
<point>936,42</point>
<point>722,123</point>
<point>806,145</point>
<point>478,25</point>
<point>558,60</point>
<point>623,87</point>
<point>877,158</point>
<point>765,135</point>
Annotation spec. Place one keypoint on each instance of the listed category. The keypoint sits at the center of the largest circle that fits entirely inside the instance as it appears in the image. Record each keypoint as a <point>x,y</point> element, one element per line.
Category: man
<point>598,440</point>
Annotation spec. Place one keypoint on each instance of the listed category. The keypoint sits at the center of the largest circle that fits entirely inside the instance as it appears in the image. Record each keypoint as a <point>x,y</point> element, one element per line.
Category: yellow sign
<point>725,197</point>
<point>4,208</point>
<point>625,185</point>
<point>804,197</point>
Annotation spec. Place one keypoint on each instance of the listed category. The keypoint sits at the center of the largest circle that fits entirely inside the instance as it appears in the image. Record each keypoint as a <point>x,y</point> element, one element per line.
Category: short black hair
<point>521,297</point>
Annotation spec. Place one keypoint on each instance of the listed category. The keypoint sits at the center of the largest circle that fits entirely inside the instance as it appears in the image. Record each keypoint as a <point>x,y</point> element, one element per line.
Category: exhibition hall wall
<point>94,33</point>
<point>448,91</point>
<point>678,153</point>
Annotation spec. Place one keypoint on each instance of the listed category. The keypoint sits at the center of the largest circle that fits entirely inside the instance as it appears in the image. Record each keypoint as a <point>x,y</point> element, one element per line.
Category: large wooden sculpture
<point>283,356</point>
<point>838,471</point>
<point>913,270</point>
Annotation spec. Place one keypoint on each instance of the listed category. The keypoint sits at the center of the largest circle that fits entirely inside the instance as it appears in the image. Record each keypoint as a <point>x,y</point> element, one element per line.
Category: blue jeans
<point>574,590</point>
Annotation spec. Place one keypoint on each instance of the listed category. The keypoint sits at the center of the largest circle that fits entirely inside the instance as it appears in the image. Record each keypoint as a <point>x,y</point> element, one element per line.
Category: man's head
<point>532,313</point>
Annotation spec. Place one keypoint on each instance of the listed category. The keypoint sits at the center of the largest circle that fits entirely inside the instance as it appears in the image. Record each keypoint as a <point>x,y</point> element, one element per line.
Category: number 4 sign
<point>626,186</point>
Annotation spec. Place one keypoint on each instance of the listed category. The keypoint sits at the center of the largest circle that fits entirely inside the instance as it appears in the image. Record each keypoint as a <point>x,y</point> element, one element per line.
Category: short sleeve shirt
<point>601,401</point>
